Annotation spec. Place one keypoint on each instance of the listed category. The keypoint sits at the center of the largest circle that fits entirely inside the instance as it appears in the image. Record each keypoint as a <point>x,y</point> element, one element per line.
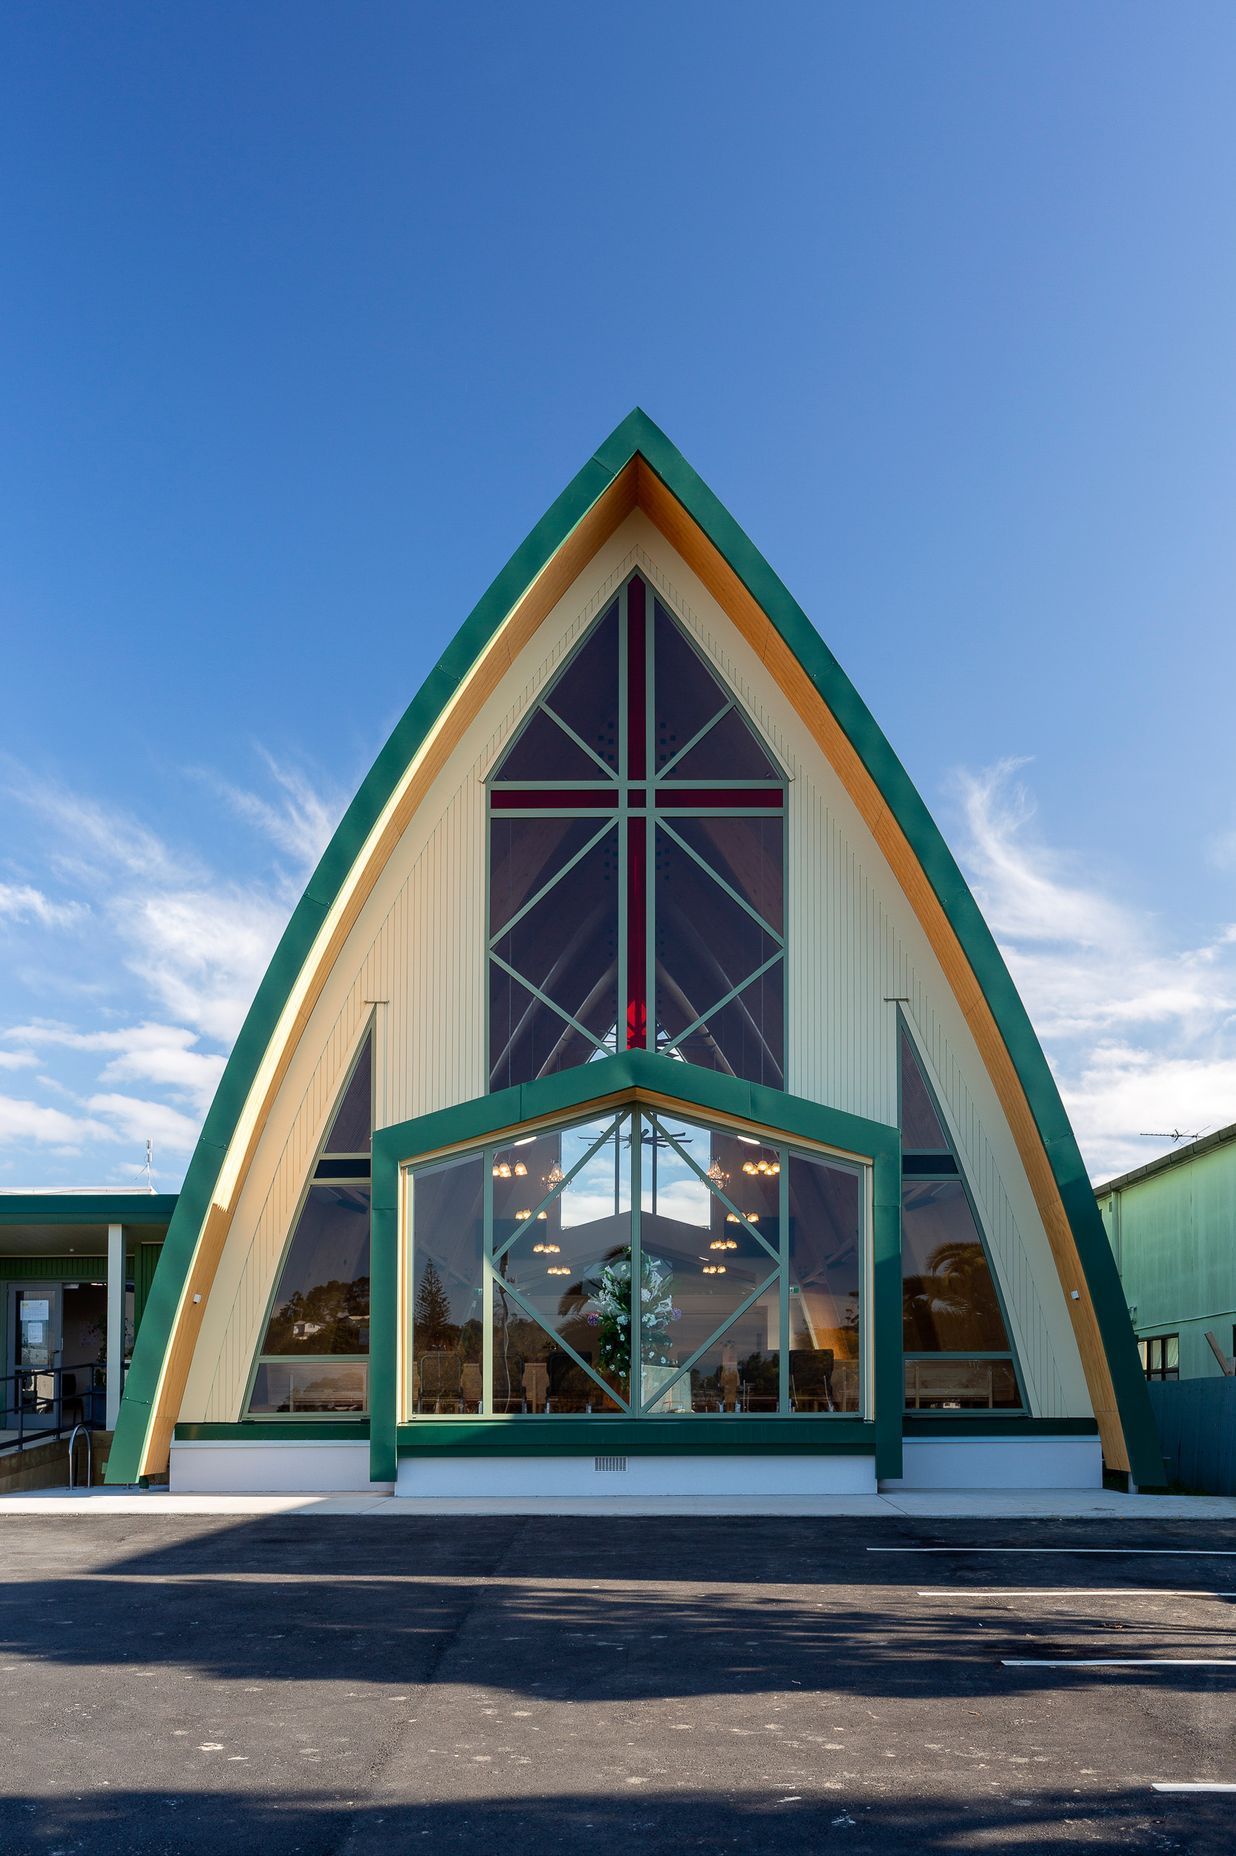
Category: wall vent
<point>609,1462</point>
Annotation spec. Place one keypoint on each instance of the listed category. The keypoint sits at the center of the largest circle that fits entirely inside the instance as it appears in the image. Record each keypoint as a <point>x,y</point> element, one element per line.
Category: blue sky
<point>306,314</point>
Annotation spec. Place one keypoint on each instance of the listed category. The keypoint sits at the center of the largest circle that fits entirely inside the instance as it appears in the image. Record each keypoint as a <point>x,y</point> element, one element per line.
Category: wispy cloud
<point>298,820</point>
<point>193,945</point>
<point>1140,1029</point>
<point>20,902</point>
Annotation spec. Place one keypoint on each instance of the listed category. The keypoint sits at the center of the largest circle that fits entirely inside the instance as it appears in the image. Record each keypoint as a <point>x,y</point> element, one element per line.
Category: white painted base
<point>1000,1463</point>
<point>312,1467</point>
<point>573,1477</point>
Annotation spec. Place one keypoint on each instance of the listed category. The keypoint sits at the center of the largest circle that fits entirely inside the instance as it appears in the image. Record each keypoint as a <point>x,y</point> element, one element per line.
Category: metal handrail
<point>81,1430</point>
<point>25,1378</point>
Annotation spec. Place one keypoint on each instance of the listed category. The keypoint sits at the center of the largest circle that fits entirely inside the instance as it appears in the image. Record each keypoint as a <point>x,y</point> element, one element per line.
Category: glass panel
<point>961,1385</point>
<point>744,1038</point>
<point>351,1130</point>
<point>528,1039</point>
<point>585,695</point>
<point>527,853</point>
<point>447,1333</point>
<point>322,1302</point>
<point>825,1251</point>
<point>687,695</point>
<point>706,943</point>
<point>731,750</point>
<point>543,751</point>
<point>749,853</point>
<point>700,1260</point>
<point>739,1373</point>
<point>921,1131</point>
<point>567,945</point>
<point>283,1386</point>
<point>1172,1352</point>
<point>949,1301</point>
<point>533,1374</point>
<point>563,1259</point>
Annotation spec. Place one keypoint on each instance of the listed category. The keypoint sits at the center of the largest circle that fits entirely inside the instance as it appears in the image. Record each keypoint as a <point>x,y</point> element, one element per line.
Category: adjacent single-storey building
<point>637,1099</point>
<point>1172,1227</point>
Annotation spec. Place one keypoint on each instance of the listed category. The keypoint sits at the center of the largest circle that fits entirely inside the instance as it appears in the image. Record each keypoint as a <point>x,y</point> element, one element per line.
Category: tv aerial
<point>1175,1135</point>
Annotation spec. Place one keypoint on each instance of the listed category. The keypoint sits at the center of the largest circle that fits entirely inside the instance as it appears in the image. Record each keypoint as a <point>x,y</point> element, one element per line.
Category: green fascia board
<point>277,1431</point>
<point>101,1208</point>
<point>605,1436</point>
<point>637,434</point>
<point>627,1073</point>
<point>694,1091</point>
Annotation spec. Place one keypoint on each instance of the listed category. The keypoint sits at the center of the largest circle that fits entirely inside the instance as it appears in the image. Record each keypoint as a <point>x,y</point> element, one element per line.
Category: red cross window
<point>636,863</point>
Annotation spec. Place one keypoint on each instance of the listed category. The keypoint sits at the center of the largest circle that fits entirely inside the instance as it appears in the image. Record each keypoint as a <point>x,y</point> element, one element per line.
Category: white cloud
<point>299,821</point>
<point>149,1052</point>
<point>32,1121</point>
<point>202,952</point>
<point>19,902</point>
<point>97,837</point>
<point>1141,1033</point>
<point>138,1119</point>
<point>182,946</point>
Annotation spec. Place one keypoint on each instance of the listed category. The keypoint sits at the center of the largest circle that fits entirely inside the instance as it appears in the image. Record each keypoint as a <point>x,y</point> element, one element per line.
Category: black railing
<point>42,1403</point>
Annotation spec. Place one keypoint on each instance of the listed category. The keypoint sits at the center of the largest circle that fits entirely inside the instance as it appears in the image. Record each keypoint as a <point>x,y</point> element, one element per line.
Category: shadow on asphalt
<point>163,1824</point>
<point>596,1610</point>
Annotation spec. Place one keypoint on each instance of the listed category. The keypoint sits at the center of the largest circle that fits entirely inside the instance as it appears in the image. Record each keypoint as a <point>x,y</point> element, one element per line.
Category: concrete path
<point>959,1504</point>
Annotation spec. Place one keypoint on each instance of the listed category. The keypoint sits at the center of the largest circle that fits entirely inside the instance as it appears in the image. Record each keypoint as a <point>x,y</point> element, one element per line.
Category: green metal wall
<point>1174,1238</point>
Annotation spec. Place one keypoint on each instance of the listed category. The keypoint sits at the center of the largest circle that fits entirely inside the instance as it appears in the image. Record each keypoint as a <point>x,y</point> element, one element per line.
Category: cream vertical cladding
<point>420,942</point>
<point>854,942</point>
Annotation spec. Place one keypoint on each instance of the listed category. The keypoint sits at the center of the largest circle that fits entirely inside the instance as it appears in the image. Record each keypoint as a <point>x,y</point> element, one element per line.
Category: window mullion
<point>708,870</point>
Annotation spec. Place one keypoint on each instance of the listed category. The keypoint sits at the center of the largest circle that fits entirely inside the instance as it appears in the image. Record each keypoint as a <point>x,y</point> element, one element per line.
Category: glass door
<point>35,1324</point>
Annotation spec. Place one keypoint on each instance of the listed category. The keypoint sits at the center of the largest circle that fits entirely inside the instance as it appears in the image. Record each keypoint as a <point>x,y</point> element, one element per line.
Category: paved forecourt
<point>188,1682</point>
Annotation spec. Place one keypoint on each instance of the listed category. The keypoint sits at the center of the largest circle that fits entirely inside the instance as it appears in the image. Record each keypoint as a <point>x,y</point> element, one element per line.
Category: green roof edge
<point>638,434</point>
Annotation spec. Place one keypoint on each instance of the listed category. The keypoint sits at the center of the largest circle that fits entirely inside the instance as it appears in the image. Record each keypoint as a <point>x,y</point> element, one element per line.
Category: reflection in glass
<point>322,1302</point>
<point>289,1386</point>
<point>825,1285</point>
<point>730,750</point>
<point>447,1212</point>
<point>956,1384</point>
<point>949,1301</point>
<point>689,1302</point>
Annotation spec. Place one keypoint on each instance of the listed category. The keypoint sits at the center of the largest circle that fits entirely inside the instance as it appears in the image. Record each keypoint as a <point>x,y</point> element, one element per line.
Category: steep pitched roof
<point>638,466</point>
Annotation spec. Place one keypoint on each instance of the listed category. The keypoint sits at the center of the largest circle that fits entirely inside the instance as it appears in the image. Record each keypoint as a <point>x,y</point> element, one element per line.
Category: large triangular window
<point>636,864</point>
<point>958,1356</point>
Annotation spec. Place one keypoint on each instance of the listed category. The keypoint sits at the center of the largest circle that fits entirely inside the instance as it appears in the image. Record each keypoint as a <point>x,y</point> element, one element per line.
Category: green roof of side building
<point>57,1208</point>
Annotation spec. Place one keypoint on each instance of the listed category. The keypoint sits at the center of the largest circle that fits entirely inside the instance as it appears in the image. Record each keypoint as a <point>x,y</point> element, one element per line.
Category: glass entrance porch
<point>639,1264</point>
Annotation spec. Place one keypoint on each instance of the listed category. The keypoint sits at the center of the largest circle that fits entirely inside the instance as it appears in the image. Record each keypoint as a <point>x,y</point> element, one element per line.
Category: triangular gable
<point>637,466</point>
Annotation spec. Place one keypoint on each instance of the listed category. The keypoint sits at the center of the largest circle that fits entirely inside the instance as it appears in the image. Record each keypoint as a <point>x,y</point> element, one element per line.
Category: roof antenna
<point>1174,1136</point>
<point>147,1166</point>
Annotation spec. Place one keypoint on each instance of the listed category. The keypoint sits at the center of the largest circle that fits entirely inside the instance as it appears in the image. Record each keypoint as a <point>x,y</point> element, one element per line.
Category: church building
<point>637,1101</point>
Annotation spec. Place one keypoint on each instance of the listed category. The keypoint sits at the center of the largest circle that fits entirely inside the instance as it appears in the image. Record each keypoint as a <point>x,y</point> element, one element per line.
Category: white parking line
<point>953,1592</point>
<point>1193,1785</point>
<point>1119,1662</point>
<point>1195,1553</point>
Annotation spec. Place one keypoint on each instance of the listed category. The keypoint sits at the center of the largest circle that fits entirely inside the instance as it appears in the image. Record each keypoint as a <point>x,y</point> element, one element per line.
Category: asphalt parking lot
<point>335,1684</point>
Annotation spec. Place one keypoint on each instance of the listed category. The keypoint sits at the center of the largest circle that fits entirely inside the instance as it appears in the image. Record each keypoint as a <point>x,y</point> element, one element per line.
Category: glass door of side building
<point>35,1324</point>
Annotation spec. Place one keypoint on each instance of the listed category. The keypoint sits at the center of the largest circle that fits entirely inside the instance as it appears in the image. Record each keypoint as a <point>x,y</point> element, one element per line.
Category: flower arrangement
<point>611,1313</point>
